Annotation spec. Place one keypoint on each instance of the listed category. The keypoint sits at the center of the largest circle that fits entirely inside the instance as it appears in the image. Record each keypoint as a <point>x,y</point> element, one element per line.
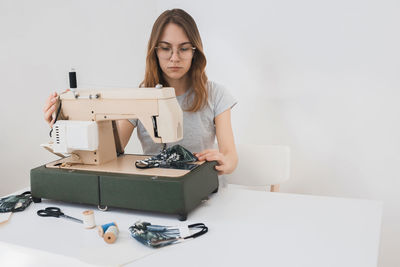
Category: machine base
<point>172,195</point>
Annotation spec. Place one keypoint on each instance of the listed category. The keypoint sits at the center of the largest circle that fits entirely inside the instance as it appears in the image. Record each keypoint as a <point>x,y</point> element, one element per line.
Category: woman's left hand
<point>214,155</point>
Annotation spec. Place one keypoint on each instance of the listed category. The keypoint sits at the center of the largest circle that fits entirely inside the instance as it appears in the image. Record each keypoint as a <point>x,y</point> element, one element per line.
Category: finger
<point>217,158</point>
<point>49,103</point>
<point>51,99</point>
<point>206,155</point>
<point>48,113</point>
<point>52,96</point>
<point>52,122</point>
<point>46,104</point>
<point>210,153</point>
<point>220,169</point>
<point>206,151</point>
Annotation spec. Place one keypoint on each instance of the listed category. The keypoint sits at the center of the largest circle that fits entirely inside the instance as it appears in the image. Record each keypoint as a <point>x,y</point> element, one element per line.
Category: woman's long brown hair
<point>197,74</point>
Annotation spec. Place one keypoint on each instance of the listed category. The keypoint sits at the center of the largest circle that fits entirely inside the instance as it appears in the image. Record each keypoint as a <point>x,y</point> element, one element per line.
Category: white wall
<point>39,42</point>
<point>319,76</point>
<point>322,77</point>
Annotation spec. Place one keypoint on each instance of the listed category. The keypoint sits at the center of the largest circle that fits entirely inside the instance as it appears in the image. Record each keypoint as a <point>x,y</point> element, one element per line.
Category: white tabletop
<point>245,227</point>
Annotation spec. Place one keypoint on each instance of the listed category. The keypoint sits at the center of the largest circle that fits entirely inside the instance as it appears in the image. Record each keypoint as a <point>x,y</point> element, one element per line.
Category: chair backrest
<point>261,165</point>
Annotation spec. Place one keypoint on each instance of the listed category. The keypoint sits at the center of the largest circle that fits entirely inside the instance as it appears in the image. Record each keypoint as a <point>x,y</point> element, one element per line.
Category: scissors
<point>56,212</point>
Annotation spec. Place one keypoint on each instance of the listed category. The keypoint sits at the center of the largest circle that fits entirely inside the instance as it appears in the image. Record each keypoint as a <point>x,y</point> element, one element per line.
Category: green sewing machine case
<point>155,193</point>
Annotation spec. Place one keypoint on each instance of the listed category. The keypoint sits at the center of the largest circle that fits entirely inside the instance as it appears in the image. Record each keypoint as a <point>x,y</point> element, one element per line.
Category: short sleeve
<point>221,98</point>
<point>134,122</point>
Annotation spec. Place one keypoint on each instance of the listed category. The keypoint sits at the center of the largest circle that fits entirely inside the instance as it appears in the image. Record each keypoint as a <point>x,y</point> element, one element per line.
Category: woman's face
<point>175,65</point>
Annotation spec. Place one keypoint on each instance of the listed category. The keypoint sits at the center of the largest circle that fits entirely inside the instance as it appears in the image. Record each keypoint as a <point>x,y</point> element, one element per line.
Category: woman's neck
<point>180,85</point>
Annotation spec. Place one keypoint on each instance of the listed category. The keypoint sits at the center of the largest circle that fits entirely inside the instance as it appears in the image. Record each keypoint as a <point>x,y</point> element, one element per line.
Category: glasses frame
<point>172,52</point>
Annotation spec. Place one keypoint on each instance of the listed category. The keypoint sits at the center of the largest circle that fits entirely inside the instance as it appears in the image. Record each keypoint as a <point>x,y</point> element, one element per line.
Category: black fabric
<point>15,203</point>
<point>176,157</point>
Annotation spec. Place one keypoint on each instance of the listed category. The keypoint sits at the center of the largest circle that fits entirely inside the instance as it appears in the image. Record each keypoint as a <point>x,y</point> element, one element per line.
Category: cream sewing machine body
<point>157,109</point>
<point>86,137</point>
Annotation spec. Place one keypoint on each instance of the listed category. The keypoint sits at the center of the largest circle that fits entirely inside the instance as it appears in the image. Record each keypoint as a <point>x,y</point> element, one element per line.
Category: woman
<point>175,59</point>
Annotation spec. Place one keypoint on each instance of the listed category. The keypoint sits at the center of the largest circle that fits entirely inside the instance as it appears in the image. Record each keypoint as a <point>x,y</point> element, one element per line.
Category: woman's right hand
<point>49,108</point>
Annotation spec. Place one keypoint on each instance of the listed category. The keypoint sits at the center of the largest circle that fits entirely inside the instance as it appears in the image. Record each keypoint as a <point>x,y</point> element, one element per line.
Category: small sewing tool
<point>56,212</point>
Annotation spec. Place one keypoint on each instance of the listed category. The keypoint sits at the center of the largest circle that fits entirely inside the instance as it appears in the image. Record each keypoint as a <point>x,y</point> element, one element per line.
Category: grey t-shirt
<point>198,127</point>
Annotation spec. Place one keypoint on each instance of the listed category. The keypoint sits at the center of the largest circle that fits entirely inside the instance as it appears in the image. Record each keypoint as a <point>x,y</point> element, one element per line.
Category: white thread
<point>88,219</point>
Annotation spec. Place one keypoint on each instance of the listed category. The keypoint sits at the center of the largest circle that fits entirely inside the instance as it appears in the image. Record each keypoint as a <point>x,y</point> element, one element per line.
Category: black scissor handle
<point>50,212</point>
<point>203,229</point>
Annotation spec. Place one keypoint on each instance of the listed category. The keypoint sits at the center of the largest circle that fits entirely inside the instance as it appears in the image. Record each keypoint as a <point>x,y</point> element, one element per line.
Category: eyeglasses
<point>184,52</point>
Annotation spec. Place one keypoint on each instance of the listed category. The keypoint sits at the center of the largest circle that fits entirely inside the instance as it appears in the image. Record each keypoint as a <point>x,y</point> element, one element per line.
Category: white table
<point>246,227</point>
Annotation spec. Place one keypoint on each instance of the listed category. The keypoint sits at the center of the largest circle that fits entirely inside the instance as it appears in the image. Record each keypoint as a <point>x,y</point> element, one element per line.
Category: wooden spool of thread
<point>88,219</point>
<point>111,234</point>
<point>101,229</point>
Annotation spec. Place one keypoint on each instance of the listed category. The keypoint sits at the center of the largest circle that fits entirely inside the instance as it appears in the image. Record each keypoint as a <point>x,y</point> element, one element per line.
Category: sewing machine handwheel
<point>215,191</point>
<point>182,217</point>
<point>36,199</point>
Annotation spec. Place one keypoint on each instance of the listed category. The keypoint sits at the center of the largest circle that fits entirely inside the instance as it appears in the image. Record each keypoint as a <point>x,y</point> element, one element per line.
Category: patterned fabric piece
<point>173,157</point>
<point>15,203</point>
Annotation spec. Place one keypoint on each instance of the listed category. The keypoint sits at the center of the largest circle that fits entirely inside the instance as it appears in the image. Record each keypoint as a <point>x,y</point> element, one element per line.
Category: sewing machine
<point>96,170</point>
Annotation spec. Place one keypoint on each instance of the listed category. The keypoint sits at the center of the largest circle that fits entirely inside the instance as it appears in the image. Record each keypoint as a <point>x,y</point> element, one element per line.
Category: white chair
<point>261,165</point>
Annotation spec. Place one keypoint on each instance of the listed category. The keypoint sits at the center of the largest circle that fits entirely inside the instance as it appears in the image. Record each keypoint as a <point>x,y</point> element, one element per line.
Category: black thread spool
<point>72,80</point>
